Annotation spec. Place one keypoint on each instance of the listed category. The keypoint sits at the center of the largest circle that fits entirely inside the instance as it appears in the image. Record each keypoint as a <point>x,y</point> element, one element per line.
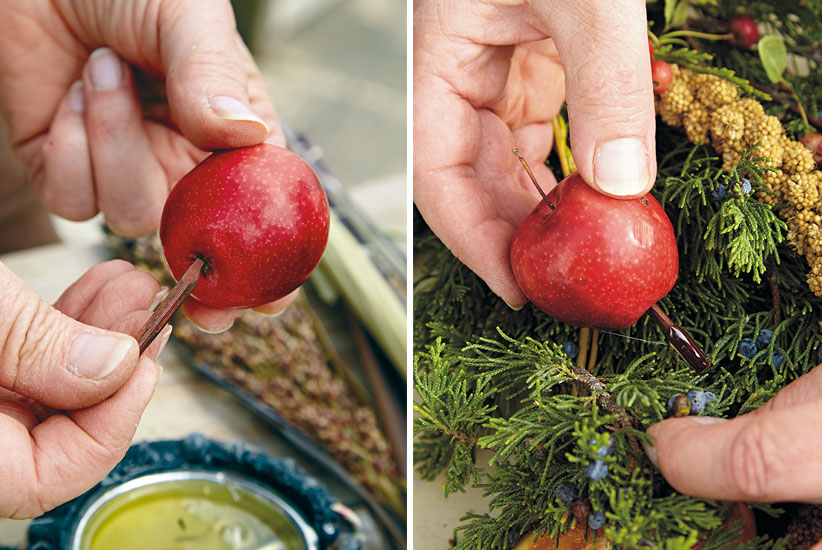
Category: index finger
<point>754,457</point>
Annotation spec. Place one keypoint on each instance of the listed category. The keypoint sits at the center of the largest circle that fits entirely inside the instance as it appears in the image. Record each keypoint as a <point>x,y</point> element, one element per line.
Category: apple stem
<point>681,341</point>
<point>533,178</point>
<point>170,304</point>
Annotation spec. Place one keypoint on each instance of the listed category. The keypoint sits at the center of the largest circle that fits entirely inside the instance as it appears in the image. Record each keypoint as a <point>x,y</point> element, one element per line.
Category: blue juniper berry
<point>596,519</point>
<point>747,347</point>
<point>596,470</point>
<point>570,349</point>
<point>764,338</point>
<point>566,493</point>
<point>698,401</point>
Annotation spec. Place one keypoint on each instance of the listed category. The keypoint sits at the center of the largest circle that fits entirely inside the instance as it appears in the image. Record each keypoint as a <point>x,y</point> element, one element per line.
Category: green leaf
<point>670,7</point>
<point>680,14</point>
<point>774,56</point>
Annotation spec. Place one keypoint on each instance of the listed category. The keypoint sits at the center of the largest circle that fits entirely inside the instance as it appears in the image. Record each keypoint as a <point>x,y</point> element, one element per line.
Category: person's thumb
<point>207,75</point>
<point>604,49</point>
<point>755,457</point>
<point>53,359</point>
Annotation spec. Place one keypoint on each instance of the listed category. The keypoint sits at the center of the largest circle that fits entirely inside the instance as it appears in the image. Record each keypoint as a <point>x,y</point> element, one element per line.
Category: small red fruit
<point>651,48</point>
<point>257,216</point>
<point>595,260</point>
<point>662,75</point>
<point>745,32</point>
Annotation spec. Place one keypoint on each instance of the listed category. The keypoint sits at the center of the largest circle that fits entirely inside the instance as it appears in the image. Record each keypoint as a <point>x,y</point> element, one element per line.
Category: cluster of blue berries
<point>692,402</point>
<point>748,347</point>
<point>742,187</point>
<point>567,494</point>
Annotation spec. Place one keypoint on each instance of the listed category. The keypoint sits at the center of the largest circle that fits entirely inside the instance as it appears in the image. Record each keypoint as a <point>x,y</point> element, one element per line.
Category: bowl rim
<point>106,495</point>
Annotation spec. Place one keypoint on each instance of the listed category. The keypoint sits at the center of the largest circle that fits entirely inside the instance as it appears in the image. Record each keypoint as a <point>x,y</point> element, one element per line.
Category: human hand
<point>768,455</point>
<point>71,394</point>
<point>112,128</point>
<point>491,75</point>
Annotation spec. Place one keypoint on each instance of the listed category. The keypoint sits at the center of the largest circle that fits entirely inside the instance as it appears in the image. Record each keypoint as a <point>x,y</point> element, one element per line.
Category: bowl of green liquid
<point>191,510</point>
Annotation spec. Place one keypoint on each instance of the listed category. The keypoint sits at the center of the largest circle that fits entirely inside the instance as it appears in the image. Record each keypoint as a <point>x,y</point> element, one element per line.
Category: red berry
<point>813,141</point>
<point>651,48</point>
<point>744,30</point>
<point>662,75</point>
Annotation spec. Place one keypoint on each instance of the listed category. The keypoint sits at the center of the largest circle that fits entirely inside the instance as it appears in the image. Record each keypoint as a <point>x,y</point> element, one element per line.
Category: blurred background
<point>336,70</point>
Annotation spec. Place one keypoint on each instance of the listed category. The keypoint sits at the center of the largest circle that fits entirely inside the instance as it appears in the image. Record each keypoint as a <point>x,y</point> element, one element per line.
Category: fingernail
<point>621,166</point>
<point>233,109</point>
<point>210,330</point>
<point>164,336</point>
<point>707,420</point>
<point>270,313</point>
<point>96,355</point>
<point>77,97</point>
<point>106,69</point>
<point>515,308</point>
<point>158,298</point>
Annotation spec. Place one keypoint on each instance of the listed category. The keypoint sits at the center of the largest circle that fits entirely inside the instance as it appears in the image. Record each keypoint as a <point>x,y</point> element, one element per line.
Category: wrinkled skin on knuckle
<point>597,98</point>
<point>36,344</point>
<point>749,470</point>
<point>15,328</point>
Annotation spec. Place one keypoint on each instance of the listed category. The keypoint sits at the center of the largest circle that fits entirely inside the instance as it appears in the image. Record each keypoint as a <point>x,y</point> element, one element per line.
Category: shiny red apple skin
<point>257,216</point>
<point>595,260</point>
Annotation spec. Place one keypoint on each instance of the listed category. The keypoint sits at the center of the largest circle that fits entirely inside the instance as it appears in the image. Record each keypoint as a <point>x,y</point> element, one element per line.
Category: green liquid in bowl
<point>194,514</point>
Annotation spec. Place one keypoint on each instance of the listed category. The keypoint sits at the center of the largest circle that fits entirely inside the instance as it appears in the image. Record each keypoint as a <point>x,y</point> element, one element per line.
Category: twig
<point>393,417</point>
<point>777,299</point>
<point>606,402</point>
<point>592,357</point>
<point>777,95</point>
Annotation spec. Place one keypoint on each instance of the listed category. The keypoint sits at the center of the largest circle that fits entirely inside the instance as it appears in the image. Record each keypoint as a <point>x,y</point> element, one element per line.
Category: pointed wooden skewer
<point>170,304</point>
<point>680,340</point>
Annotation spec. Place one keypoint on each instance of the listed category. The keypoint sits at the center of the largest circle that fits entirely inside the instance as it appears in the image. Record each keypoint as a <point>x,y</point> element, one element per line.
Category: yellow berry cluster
<point>709,108</point>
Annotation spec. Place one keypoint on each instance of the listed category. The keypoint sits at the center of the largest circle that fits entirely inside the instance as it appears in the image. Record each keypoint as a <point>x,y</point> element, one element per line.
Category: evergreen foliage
<point>490,378</point>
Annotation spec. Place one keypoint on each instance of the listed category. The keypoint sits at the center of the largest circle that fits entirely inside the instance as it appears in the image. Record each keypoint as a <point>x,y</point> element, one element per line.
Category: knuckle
<point>131,291</point>
<point>750,472</point>
<point>31,336</point>
<point>76,206</point>
<point>135,223</point>
<point>620,96</point>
